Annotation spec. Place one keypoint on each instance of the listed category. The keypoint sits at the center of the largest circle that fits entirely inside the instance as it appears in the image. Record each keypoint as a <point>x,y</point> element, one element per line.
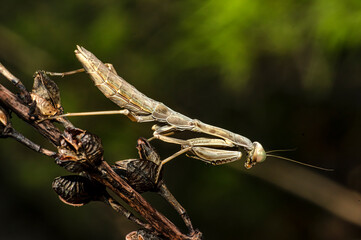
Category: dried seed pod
<point>85,143</point>
<point>46,95</point>
<point>92,147</point>
<point>69,158</point>
<point>79,149</point>
<point>147,151</point>
<point>142,234</point>
<point>77,190</point>
<point>4,119</point>
<point>71,162</point>
<point>141,173</point>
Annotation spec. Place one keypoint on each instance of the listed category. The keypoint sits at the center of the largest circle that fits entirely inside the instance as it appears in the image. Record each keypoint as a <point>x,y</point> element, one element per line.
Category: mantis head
<point>256,155</point>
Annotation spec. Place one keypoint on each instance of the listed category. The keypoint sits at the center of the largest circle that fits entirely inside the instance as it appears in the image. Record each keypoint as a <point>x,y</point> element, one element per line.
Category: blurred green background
<point>284,73</point>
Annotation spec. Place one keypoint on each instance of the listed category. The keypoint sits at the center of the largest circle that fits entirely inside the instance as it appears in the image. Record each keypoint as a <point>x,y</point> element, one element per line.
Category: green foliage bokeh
<point>284,72</point>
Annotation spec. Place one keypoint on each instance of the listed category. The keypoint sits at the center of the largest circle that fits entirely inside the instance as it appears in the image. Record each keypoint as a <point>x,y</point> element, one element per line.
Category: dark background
<point>284,73</point>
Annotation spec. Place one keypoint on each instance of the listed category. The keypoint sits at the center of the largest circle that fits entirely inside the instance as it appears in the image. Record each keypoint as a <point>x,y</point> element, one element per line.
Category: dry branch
<point>100,171</point>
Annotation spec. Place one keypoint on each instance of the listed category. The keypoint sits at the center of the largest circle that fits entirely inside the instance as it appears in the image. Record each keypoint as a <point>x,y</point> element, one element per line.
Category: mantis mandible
<point>225,147</point>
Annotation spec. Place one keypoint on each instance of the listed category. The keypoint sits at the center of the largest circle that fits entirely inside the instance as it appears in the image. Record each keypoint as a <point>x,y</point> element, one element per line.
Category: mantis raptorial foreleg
<point>206,149</point>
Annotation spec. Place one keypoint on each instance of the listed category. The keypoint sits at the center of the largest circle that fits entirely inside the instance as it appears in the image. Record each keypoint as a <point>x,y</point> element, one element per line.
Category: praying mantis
<point>221,147</point>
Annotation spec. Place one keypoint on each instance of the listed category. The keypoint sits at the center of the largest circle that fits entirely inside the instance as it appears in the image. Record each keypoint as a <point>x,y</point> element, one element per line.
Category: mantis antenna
<point>282,150</point>
<point>301,163</point>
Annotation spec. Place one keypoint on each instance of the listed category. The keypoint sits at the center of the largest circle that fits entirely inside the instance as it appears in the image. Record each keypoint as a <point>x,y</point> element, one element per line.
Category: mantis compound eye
<point>257,155</point>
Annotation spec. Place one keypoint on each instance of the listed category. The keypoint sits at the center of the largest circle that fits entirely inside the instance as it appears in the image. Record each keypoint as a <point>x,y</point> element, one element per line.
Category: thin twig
<point>119,208</point>
<point>22,110</point>
<point>112,180</point>
<point>14,80</point>
<point>11,132</point>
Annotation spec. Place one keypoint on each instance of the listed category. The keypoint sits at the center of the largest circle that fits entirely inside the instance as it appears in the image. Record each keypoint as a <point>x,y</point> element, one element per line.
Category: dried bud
<point>70,161</point>
<point>141,173</point>
<point>4,119</point>
<point>92,147</point>
<point>142,234</point>
<point>77,190</point>
<point>147,152</point>
<point>79,149</point>
<point>46,95</point>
